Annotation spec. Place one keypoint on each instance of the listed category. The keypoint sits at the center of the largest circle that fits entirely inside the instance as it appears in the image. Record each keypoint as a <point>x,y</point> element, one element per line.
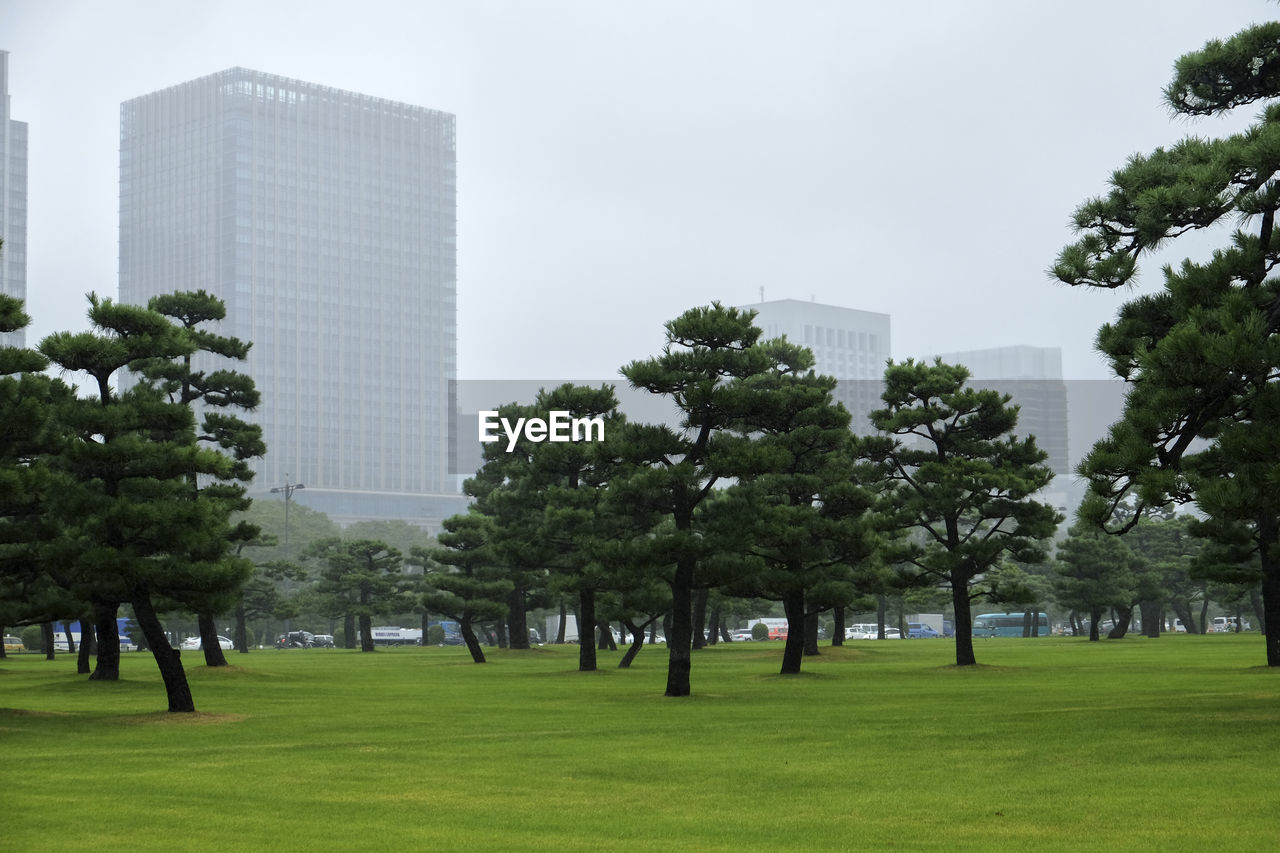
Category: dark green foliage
<point>1202,417</point>
<point>546,504</point>
<point>1094,574</point>
<point>709,355</point>
<point>359,579</point>
<point>801,513</point>
<point>961,481</point>
<point>759,631</point>
<point>135,529</point>
<point>462,579</point>
<point>29,527</point>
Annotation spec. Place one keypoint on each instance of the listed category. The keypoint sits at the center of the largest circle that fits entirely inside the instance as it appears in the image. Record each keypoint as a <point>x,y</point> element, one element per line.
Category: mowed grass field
<point>1052,744</point>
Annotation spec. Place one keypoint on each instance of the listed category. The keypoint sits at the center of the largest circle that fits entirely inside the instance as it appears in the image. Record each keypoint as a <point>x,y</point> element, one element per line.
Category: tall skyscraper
<point>13,203</point>
<point>848,344</point>
<point>326,221</point>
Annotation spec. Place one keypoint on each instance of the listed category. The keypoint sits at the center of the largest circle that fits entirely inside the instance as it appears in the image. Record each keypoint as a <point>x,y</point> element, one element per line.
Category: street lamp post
<point>287,489</point>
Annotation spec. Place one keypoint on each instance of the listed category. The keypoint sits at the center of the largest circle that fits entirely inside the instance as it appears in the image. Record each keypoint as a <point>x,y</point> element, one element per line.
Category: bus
<point>1006,624</point>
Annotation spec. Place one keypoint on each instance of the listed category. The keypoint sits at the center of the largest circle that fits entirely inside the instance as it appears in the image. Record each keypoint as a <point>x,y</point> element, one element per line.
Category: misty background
<point>621,162</point>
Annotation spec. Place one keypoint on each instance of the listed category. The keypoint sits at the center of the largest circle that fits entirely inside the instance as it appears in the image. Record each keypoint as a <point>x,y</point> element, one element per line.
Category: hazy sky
<point>619,162</point>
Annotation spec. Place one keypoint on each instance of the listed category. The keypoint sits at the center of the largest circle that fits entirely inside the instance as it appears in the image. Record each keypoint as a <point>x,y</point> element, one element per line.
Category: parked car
<point>296,640</point>
<point>892,634</point>
<point>742,635</point>
<point>323,641</point>
<point>12,644</point>
<point>194,644</point>
<point>920,631</point>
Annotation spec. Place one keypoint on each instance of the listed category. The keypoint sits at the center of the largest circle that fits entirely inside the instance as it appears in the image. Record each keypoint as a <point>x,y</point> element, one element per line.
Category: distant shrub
<point>759,631</point>
<point>33,638</point>
<point>435,635</point>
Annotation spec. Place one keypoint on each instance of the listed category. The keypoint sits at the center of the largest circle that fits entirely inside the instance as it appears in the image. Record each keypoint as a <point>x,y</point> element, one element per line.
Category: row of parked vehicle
<point>860,631</point>
<point>304,640</point>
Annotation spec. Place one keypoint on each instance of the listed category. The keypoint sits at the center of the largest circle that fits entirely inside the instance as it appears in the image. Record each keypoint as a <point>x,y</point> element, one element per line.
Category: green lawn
<point>1051,744</point>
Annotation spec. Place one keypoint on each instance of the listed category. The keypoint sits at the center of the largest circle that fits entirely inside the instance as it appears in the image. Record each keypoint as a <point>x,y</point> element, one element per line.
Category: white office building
<point>13,203</point>
<point>326,221</point>
<point>848,344</point>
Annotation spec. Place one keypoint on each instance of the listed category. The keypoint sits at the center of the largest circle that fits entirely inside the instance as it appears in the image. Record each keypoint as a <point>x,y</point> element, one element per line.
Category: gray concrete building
<point>326,221</point>
<point>13,203</point>
<point>1032,377</point>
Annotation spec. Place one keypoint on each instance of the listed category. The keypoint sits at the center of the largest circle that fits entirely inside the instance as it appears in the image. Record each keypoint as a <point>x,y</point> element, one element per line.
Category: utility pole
<point>288,490</point>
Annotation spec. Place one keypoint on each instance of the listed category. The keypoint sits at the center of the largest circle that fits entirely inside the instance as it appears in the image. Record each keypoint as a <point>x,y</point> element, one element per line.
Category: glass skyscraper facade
<point>326,221</point>
<point>13,203</point>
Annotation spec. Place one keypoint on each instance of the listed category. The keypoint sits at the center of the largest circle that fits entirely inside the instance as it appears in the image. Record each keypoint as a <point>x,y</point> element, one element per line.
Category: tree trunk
<point>517,620</point>
<point>168,659</point>
<point>1270,558</point>
<point>564,624</point>
<point>241,638</point>
<point>964,623</point>
<point>1183,612</point>
<point>500,632</point>
<point>66,632</point>
<point>882,608</point>
<point>637,642</point>
<point>46,629</point>
<point>1122,623</point>
<point>1204,612</point>
<point>1095,616</point>
<point>811,634</point>
<point>586,630</point>
<point>348,630</point>
<point>680,634</point>
<point>1026,623</point>
<point>469,637</point>
<point>209,644</point>
<point>837,627</point>
<point>700,618</point>
<point>86,645</point>
<point>366,632</point>
<point>1150,613</point>
<point>426,628</point>
<point>713,620</point>
<point>107,665</point>
<point>1255,600</point>
<point>793,647</point>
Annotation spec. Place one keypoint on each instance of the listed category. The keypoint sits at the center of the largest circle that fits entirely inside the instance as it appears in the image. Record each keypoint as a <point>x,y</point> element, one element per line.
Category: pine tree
<point>1202,416</point>
<point>962,481</point>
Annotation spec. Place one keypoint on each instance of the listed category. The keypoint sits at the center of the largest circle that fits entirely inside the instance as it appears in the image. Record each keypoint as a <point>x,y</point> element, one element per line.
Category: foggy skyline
<point>621,163</point>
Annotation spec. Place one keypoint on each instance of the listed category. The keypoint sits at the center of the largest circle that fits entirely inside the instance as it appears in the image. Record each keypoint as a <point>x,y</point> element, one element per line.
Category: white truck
<point>553,628</point>
<point>389,635</point>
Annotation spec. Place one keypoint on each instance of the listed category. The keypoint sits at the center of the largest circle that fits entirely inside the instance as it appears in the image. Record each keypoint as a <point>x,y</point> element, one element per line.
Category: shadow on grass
<point>973,667</point>
<point>195,718</point>
<point>230,672</point>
